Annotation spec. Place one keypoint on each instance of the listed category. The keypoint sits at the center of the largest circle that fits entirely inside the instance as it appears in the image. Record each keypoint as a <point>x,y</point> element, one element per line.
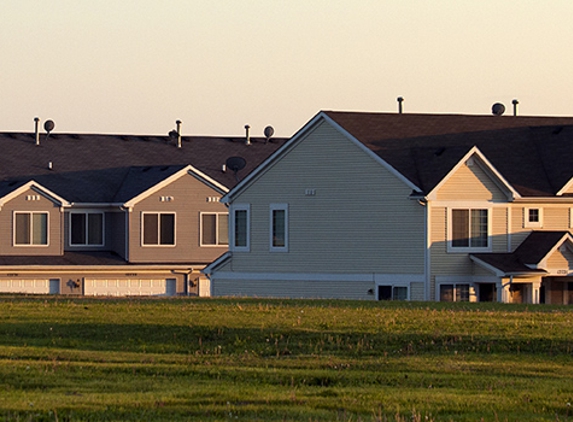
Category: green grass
<point>277,360</point>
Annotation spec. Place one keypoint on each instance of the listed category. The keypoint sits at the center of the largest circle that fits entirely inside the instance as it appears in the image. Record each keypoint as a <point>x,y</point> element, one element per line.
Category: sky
<point>137,66</point>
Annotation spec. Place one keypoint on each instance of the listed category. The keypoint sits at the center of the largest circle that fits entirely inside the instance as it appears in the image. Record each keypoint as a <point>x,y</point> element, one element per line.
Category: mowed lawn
<point>282,360</point>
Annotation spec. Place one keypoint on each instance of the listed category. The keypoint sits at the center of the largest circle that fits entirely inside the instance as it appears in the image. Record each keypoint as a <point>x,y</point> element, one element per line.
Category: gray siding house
<point>407,207</point>
<point>117,215</point>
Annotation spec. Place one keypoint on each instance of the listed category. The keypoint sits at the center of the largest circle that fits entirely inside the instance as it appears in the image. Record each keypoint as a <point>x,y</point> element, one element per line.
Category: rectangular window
<point>533,217</point>
<point>392,292</point>
<point>86,229</point>
<point>279,227</point>
<point>30,228</point>
<point>158,229</point>
<point>469,228</point>
<point>241,227</point>
<point>214,229</point>
<point>454,293</point>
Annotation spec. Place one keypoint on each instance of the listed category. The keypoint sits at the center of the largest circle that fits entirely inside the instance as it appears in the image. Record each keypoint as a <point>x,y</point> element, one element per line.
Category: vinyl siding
<point>358,220</point>
<point>471,183</point>
<point>417,291</point>
<point>294,289</point>
<point>20,203</point>
<point>189,200</point>
<point>561,260</point>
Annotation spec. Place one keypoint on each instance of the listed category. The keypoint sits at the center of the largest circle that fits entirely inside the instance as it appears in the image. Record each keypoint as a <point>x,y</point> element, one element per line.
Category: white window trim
<point>454,283</point>
<point>532,224</point>
<point>390,284</point>
<point>86,214</point>
<point>278,207</point>
<point>31,231</point>
<point>468,249</point>
<point>158,245</point>
<point>232,247</point>
<point>217,235</point>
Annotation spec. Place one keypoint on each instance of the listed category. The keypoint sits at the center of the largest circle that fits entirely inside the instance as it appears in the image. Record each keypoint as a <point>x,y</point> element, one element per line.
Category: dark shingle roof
<point>532,153</point>
<point>103,168</point>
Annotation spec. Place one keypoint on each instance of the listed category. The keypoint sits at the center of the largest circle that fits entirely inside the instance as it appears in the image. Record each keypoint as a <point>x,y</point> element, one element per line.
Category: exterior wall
<point>114,232</point>
<point>40,203</point>
<point>190,198</point>
<point>346,213</point>
<point>561,261</point>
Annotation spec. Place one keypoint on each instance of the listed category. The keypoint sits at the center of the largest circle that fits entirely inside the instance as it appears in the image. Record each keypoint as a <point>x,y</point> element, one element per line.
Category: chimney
<point>400,101</point>
<point>37,129</point>
<point>515,103</point>
<point>248,136</point>
<point>178,123</point>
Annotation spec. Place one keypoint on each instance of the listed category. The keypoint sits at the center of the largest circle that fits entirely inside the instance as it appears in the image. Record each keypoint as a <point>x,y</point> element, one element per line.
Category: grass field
<point>278,360</point>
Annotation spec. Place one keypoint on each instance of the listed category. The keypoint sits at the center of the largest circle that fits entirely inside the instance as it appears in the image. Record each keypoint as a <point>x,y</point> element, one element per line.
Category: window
<point>533,217</point>
<point>454,293</point>
<point>241,227</point>
<point>392,292</point>
<point>214,229</point>
<point>86,228</point>
<point>30,228</point>
<point>158,229</point>
<point>279,227</point>
<point>469,229</point>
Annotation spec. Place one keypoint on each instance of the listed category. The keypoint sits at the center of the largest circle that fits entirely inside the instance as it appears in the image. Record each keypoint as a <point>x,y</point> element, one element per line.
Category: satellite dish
<point>498,109</point>
<point>236,164</point>
<point>269,131</point>
<point>49,125</point>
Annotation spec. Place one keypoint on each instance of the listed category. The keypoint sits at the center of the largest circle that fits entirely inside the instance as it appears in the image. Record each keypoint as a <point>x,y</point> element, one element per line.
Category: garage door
<point>127,287</point>
<point>32,286</point>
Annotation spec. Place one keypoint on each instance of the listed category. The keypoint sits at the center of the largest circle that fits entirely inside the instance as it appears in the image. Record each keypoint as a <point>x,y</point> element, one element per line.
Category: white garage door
<point>129,287</point>
<point>32,286</point>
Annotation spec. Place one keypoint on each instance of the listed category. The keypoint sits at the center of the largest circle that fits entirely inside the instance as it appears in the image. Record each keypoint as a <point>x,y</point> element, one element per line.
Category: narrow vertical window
<point>214,229</point>
<point>279,227</point>
<point>240,228</point>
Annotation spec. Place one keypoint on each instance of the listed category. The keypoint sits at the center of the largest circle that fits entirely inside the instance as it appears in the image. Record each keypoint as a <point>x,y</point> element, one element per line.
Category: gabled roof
<point>532,153</point>
<point>529,257</point>
<point>89,168</point>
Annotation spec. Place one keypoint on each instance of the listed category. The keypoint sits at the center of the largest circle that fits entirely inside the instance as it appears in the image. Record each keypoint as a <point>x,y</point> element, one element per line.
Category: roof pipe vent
<point>37,129</point>
<point>247,135</point>
<point>400,101</point>
<point>178,123</point>
<point>515,103</point>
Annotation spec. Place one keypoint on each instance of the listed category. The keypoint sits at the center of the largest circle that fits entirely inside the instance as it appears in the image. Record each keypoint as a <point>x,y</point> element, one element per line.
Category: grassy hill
<point>279,360</point>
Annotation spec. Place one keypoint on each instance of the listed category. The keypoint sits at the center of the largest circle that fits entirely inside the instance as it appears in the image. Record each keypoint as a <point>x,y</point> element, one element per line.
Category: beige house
<point>407,207</point>
<point>116,215</point>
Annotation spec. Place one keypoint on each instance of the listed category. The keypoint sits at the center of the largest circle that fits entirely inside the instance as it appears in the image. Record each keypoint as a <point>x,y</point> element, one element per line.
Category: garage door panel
<point>122,287</point>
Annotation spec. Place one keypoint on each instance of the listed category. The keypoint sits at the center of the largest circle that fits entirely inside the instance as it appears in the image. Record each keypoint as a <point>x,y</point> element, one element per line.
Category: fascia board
<point>543,261</point>
<point>371,153</point>
<point>35,186</point>
<point>487,266</point>
<point>189,169</point>
<point>565,188</point>
<point>243,184</point>
<point>474,151</point>
<point>216,263</point>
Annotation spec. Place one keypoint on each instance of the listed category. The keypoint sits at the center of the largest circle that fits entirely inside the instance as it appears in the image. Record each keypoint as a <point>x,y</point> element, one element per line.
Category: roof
<point>529,255</point>
<point>532,153</point>
<point>93,168</point>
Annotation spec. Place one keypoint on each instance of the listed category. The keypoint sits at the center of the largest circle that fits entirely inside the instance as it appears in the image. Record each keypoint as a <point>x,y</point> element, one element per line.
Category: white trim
<point>565,188</point>
<point>532,224</point>
<point>86,213</point>
<point>159,244</point>
<point>542,264</point>
<point>232,222</point>
<point>187,170</point>
<point>468,249</point>
<point>513,194</point>
<point>31,228</point>
<point>454,284</point>
<point>33,185</point>
<point>428,254</point>
<point>445,279</point>
<point>217,243</point>
<point>272,208</point>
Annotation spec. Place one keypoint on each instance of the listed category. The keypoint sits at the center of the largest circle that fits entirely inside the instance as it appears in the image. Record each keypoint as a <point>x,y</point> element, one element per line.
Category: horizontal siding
<point>561,260</point>
<point>294,289</point>
<point>359,218</point>
<point>555,218</point>
<point>471,183</point>
<point>499,229</point>
<point>417,291</point>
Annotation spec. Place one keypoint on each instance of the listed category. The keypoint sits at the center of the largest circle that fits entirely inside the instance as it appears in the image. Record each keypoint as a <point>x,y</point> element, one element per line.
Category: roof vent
<point>37,130</point>
<point>515,103</point>
<point>498,109</point>
<point>400,101</point>
<point>247,135</point>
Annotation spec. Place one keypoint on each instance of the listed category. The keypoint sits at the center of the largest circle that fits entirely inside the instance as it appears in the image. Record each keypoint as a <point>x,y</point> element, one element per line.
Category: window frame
<point>272,209</point>
<point>455,287</point>
<point>233,224</point>
<point>217,243</point>
<point>393,286</point>
<point>468,249</point>
<point>527,223</point>
<point>86,213</point>
<point>31,229</point>
<point>158,244</point>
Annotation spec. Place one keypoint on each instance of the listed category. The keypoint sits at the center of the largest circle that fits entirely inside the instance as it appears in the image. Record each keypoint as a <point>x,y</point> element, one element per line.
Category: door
<point>54,286</point>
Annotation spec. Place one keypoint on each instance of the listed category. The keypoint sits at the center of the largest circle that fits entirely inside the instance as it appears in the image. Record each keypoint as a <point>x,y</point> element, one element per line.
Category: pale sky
<point>136,66</point>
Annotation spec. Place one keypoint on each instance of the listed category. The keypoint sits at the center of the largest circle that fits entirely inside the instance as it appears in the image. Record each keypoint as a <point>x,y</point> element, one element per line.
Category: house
<point>407,207</point>
<point>87,214</point>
